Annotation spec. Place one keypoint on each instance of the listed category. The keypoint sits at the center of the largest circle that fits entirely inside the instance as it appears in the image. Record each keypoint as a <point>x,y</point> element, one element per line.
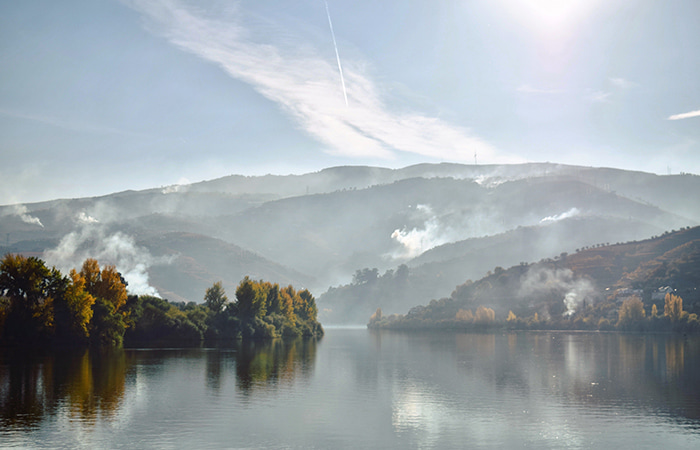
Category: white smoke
<point>84,218</point>
<point>565,215</point>
<point>116,248</point>
<point>416,241</point>
<point>540,280</point>
<point>23,213</point>
<point>182,185</point>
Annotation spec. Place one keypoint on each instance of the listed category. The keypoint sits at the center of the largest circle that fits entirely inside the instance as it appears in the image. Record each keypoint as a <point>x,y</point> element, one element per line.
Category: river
<point>361,389</point>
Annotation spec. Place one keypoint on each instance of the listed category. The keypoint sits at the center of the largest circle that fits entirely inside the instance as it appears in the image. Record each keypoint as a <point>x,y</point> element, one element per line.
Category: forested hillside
<point>577,290</point>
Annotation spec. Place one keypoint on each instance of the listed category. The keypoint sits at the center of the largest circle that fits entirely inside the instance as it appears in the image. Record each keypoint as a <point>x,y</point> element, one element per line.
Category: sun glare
<point>550,16</point>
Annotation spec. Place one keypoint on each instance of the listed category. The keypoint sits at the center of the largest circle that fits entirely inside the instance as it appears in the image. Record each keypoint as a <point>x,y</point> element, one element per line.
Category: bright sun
<point>550,16</point>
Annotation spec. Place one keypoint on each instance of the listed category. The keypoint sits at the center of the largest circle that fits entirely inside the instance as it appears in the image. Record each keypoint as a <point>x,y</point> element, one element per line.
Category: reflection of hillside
<point>631,372</point>
<point>80,384</point>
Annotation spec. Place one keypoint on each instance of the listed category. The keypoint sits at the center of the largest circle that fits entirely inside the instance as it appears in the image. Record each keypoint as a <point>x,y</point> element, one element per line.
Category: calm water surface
<point>359,389</point>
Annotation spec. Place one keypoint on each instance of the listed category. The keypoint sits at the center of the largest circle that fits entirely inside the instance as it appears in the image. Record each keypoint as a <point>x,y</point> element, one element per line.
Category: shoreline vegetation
<point>41,307</point>
<point>629,316</point>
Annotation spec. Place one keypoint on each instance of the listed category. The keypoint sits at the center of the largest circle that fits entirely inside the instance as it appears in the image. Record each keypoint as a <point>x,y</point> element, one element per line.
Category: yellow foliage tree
<point>631,311</point>
<point>673,307</point>
<point>465,315</point>
<point>484,315</point>
<point>106,284</point>
<point>78,303</point>
<point>109,290</point>
<point>287,303</point>
<point>511,317</point>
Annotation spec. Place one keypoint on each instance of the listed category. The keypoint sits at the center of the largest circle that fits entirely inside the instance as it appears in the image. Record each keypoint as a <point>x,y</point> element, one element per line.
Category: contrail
<point>337,55</point>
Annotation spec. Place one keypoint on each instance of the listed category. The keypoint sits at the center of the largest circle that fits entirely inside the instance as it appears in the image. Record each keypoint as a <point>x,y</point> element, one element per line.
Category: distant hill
<point>196,262</point>
<point>434,274</point>
<point>445,222</point>
<point>592,277</point>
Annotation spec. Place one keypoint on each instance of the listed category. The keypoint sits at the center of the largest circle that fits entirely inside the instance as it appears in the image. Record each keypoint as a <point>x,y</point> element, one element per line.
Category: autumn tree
<point>484,315</point>
<point>376,317</point>
<point>109,289</point>
<point>287,303</point>
<point>73,310</point>
<point>631,313</point>
<point>673,307</point>
<point>464,315</point>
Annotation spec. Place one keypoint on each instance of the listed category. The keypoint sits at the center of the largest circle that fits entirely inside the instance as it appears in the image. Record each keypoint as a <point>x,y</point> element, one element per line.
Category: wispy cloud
<point>306,87</point>
<point>623,83</point>
<point>527,89</point>
<point>687,115</point>
<point>598,96</point>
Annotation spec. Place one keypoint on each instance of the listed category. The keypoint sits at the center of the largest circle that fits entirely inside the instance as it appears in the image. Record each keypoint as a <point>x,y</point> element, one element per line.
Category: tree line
<point>630,316</point>
<point>41,306</point>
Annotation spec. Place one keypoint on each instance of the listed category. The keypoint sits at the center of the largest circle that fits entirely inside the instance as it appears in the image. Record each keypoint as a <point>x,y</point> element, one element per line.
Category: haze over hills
<point>578,289</point>
<point>446,222</point>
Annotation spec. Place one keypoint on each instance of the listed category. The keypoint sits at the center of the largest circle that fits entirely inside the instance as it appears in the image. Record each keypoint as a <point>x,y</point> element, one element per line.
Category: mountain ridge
<point>323,226</point>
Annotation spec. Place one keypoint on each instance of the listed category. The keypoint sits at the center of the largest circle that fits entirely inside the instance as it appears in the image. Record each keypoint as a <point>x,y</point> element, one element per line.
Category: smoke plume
<point>84,218</point>
<point>23,213</point>
<point>416,241</point>
<point>574,291</point>
<point>565,215</point>
<point>116,248</point>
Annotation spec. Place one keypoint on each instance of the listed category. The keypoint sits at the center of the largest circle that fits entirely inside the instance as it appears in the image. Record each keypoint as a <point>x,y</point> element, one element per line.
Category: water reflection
<point>276,362</point>
<point>84,383</point>
<point>657,372</point>
<point>358,389</point>
<point>90,385</point>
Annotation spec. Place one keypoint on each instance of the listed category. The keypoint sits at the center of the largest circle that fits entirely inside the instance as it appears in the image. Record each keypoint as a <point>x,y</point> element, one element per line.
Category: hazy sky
<point>98,96</point>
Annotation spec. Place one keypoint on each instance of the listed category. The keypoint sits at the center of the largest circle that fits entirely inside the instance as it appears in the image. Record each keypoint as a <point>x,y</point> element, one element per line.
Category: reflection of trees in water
<point>22,390</point>
<point>273,362</point>
<point>83,384</point>
<point>214,366</point>
<point>675,357</point>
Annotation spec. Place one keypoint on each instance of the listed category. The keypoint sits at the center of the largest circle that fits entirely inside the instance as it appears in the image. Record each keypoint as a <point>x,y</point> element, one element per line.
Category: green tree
<point>273,300</point>
<point>306,309</point>
<point>251,298</point>
<point>31,288</point>
<point>215,297</point>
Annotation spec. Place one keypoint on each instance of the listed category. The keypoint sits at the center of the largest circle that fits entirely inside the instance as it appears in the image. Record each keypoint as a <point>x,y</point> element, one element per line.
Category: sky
<point>100,96</point>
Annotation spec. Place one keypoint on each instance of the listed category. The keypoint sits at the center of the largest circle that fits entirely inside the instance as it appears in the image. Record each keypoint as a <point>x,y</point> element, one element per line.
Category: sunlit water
<point>358,389</point>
